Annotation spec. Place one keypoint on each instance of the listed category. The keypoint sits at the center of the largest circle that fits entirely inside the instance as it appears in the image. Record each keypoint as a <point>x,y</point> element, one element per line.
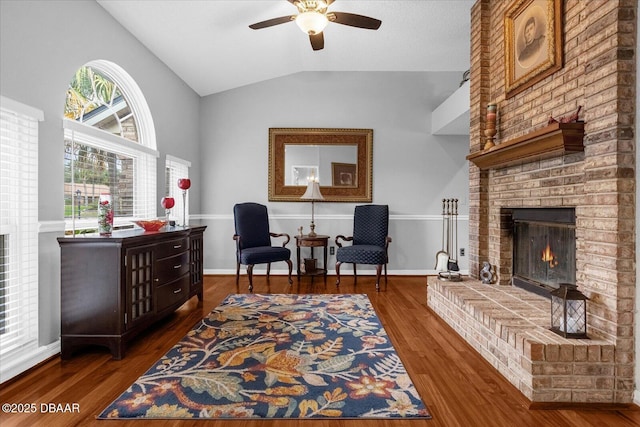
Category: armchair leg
<point>338,273</point>
<point>290,264</point>
<point>385,274</point>
<point>378,271</point>
<point>355,275</point>
<point>237,272</point>
<point>250,274</point>
<point>268,269</point>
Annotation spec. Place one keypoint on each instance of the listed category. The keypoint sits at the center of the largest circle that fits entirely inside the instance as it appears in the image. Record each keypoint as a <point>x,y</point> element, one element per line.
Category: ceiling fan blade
<point>354,20</point>
<point>317,41</point>
<point>272,22</point>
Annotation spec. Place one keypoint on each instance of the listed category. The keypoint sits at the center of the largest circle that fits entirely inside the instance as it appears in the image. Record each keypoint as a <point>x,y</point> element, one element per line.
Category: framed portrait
<point>533,43</point>
<point>344,174</point>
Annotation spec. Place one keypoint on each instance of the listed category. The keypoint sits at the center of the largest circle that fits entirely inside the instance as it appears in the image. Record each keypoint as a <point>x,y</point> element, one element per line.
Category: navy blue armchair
<point>253,240</point>
<point>370,241</point>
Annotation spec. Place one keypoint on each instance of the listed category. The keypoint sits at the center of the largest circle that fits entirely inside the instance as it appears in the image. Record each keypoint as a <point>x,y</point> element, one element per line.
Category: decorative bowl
<point>151,224</point>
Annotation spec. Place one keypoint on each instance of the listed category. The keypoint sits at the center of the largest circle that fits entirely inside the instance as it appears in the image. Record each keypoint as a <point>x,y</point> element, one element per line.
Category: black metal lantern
<point>569,311</point>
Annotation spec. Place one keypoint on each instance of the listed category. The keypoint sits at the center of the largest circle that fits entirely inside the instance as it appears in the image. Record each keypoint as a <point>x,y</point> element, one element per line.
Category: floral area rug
<point>278,356</point>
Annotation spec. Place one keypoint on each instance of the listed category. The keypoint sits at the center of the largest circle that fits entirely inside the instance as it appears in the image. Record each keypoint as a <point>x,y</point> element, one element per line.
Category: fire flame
<point>548,256</point>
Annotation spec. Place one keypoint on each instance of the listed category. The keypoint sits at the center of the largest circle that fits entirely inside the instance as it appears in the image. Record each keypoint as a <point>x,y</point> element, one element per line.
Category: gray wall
<point>42,44</point>
<point>412,169</point>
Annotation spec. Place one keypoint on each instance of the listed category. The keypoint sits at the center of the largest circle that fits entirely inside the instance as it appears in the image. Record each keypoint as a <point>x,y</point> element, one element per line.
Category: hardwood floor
<point>457,385</point>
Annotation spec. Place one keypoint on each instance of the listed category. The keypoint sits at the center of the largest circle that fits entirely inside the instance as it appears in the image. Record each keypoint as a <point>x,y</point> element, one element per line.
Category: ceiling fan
<point>313,17</point>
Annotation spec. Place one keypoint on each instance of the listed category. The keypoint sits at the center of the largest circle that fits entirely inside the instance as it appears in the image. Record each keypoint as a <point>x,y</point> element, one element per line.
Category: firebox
<point>544,248</point>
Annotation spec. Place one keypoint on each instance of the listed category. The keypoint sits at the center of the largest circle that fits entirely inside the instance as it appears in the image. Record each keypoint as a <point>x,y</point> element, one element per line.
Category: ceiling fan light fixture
<point>312,22</point>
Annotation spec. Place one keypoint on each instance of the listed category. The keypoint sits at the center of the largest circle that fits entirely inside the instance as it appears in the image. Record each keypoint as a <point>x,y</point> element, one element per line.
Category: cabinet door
<point>196,251</point>
<point>140,286</point>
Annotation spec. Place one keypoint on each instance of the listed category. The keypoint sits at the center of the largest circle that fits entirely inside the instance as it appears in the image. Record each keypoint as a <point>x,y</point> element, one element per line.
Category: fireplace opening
<point>544,248</point>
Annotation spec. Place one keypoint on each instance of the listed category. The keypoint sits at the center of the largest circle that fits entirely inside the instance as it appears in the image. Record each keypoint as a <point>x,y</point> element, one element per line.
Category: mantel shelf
<point>553,140</point>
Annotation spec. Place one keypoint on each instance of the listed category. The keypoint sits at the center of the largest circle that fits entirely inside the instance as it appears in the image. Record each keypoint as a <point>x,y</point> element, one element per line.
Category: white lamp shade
<point>313,191</point>
<point>311,22</point>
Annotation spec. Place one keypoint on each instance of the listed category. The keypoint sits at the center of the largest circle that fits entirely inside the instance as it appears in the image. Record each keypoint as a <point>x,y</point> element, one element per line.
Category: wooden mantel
<point>553,140</point>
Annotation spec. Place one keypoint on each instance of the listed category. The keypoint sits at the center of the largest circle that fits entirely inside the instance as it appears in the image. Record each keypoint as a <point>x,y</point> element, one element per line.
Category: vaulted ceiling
<point>210,46</point>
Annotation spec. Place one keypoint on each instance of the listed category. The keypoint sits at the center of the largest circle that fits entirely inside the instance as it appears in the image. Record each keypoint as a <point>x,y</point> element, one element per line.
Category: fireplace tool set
<point>446,261</point>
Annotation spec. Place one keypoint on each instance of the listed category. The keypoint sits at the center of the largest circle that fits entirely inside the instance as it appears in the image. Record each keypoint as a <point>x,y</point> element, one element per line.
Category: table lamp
<point>313,194</point>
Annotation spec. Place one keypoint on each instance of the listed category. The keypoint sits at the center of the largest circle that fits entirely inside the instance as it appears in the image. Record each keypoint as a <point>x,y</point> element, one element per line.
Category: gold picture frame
<point>334,144</point>
<point>533,43</point>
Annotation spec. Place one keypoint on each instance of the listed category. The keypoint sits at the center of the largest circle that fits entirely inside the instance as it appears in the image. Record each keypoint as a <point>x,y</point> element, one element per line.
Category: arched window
<point>110,147</point>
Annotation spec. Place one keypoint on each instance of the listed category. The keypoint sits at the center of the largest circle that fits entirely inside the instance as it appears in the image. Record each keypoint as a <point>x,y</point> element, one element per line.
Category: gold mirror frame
<point>361,138</point>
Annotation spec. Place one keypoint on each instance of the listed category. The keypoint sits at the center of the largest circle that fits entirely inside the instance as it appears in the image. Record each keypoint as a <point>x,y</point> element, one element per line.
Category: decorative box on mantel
<point>553,140</point>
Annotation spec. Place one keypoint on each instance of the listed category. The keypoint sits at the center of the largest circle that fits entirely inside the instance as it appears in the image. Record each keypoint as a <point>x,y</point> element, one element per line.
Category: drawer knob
<point>177,266</point>
<point>177,246</point>
<point>177,291</point>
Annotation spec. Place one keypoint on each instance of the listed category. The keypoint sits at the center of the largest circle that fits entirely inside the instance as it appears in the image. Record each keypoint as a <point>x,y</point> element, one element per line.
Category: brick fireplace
<point>595,179</point>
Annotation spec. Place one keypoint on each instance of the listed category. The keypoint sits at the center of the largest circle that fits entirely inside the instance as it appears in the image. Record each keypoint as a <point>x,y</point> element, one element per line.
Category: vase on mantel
<point>490,130</point>
<point>105,215</point>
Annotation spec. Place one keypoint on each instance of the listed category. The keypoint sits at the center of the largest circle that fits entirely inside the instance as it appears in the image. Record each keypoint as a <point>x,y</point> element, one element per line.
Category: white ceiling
<point>209,45</point>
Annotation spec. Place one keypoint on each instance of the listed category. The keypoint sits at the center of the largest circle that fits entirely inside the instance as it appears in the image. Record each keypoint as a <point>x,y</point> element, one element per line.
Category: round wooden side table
<point>306,241</point>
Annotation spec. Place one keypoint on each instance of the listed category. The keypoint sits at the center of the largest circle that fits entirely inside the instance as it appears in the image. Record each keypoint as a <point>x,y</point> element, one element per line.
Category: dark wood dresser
<point>113,287</point>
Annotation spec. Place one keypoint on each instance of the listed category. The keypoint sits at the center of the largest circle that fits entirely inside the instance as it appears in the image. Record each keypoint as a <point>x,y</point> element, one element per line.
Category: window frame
<point>144,151</point>
<point>20,136</point>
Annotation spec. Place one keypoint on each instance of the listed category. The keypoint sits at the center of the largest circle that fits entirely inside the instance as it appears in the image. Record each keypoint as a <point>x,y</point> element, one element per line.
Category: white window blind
<point>18,231</point>
<point>177,168</point>
<point>98,162</point>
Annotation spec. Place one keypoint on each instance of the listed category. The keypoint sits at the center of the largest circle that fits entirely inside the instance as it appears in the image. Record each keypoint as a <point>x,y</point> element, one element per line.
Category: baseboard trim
<point>580,406</point>
<point>22,364</point>
<point>362,271</point>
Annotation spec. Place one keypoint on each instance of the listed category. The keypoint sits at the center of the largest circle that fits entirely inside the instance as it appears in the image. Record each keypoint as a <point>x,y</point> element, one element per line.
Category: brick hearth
<point>509,327</point>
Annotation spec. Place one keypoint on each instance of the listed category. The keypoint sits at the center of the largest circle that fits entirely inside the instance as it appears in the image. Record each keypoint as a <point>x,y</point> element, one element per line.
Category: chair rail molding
<point>392,217</point>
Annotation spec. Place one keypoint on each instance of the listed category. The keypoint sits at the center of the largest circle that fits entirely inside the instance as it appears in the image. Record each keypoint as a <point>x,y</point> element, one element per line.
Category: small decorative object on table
<point>150,224</point>
<point>300,231</point>
<point>184,184</point>
<point>490,131</point>
<point>105,215</point>
<point>167,203</point>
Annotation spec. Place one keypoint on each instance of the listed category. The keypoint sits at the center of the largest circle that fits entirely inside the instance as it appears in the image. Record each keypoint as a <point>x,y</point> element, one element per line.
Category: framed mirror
<point>341,160</point>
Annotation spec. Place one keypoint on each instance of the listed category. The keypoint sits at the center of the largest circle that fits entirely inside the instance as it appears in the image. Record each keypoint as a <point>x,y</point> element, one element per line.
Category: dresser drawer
<point>172,293</point>
<point>170,268</point>
<point>172,247</point>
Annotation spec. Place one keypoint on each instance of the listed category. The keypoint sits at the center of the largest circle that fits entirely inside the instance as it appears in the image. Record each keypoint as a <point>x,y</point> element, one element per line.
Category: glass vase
<point>105,215</point>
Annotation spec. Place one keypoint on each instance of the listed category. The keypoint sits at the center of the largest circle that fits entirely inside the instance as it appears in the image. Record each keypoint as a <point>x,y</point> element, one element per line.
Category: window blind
<point>98,162</point>
<point>18,231</point>
<point>177,168</point>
